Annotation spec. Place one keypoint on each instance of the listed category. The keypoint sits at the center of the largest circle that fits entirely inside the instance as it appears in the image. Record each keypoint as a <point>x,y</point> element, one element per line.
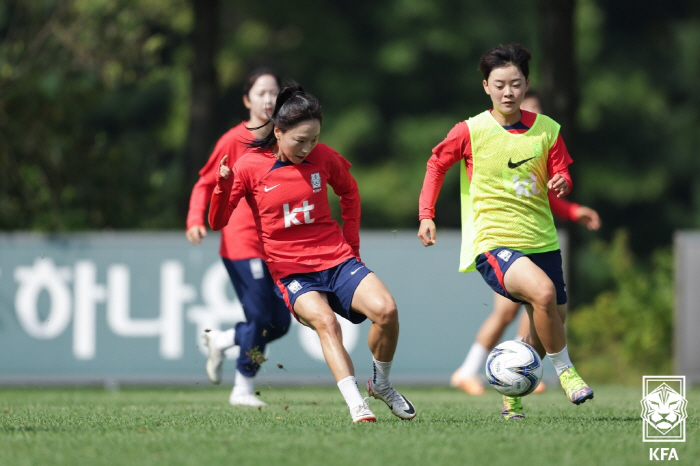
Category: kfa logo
<point>290,216</point>
<point>525,187</point>
<point>316,182</point>
<point>662,454</point>
<point>664,408</point>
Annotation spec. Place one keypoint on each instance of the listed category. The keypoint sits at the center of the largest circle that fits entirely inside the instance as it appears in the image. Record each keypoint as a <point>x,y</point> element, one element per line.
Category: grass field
<point>311,426</point>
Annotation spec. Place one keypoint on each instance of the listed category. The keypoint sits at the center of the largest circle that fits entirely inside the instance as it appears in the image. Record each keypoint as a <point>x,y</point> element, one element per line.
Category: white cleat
<point>216,357</point>
<point>362,413</point>
<point>397,403</point>
<point>246,399</point>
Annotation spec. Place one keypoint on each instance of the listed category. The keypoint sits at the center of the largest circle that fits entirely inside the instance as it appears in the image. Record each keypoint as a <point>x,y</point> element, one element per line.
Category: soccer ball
<point>514,368</point>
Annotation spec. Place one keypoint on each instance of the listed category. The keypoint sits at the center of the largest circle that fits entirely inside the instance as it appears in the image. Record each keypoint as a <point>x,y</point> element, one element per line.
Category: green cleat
<point>575,388</point>
<point>512,407</point>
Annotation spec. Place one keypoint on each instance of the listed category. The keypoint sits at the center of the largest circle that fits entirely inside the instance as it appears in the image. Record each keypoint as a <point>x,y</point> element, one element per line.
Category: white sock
<point>243,385</point>
<point>380,373</point>
<point>474,362</point>
<point>225,340</point>
<point>350,391</point>
<point>561,360</point>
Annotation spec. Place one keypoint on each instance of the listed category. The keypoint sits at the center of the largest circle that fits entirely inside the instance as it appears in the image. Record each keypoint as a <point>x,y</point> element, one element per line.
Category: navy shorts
<point>339,283</point>
<point>493,266</point>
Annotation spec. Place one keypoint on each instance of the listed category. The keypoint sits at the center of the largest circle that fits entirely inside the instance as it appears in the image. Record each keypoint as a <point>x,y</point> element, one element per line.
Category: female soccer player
<point>509,159</point>
<point>315,264</point>
<point>468,375</point>
<point>267,317</point>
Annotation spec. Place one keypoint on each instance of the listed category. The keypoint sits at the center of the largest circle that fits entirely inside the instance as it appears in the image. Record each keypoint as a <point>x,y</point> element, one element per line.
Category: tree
<point>204,90</point>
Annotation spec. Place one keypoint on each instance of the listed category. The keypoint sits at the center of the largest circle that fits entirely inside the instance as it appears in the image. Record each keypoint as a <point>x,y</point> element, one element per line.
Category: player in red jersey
<point>316,265</point>
<point>467,376</point>
<point>267,317</point>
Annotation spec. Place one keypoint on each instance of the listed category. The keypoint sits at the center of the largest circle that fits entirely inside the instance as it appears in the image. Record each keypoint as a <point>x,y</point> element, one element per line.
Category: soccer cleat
<point>512,408</point>
<point>216,357</point>
<point>540,388</point>
<point>362,413</point>
<point>397,403</point>
<point>575,388</point>
<point>245,399</point>
<point>469,385</point>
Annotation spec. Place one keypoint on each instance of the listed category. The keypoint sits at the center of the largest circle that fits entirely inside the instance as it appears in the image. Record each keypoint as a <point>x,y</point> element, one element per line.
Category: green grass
<point>312,426</point>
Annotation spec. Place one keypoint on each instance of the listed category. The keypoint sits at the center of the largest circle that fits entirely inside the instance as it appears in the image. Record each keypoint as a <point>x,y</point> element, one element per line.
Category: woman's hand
<point>588,217</point>
<point>558,183</point>
<point>195,234</point>
<point>426,232</point>
<point>224,171</point>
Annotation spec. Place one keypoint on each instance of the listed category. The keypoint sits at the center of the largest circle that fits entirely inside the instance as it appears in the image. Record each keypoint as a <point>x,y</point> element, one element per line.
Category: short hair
<point>504,55</point>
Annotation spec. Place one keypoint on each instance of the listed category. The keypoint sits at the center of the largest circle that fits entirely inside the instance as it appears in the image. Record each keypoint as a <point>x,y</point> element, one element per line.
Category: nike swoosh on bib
<point>267,190</point>
<point>512,164</point>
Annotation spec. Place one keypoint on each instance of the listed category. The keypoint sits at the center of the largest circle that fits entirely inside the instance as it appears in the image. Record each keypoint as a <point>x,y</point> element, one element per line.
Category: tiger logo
<point>664,409</point>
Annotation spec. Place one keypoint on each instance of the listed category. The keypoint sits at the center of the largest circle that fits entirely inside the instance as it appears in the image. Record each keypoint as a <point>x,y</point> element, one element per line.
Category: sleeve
<point>559,161</point>
<point>202,191</point>
<point>345,186</point>
<point>563,209</point>
<point>452,149</point>
<point>225,197</point>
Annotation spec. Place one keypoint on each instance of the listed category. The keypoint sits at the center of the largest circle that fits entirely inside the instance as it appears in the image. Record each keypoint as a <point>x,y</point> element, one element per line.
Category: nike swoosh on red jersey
<point>267,190</point>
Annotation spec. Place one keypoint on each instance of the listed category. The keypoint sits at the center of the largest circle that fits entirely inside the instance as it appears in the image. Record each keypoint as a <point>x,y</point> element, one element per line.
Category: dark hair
<point>504,55</point>
<point>293,106</point>
<point>255,74</point>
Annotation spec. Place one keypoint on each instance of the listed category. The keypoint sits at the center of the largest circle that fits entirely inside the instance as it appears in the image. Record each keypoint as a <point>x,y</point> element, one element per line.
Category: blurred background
<point>108,108</point>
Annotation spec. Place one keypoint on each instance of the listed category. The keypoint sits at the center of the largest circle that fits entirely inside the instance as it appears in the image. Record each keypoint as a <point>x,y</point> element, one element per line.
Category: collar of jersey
<point>280,164</point>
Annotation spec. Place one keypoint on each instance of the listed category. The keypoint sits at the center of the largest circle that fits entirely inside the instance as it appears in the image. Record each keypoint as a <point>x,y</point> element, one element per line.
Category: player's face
<point>261,99</point>
<point>506,86</point>
<point>296,143</point>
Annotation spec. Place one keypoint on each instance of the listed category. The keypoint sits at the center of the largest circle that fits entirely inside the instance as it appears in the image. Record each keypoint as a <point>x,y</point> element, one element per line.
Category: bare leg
<point>374,300</point>
<point>313,311</point>
<point>524,280</point>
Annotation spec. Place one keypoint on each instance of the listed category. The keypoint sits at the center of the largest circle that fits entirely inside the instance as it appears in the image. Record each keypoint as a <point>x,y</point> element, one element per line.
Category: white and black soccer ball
<point>514,368</point>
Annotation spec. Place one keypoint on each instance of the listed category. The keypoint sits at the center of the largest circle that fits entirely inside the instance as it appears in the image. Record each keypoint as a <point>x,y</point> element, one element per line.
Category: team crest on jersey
<point>316,182</point>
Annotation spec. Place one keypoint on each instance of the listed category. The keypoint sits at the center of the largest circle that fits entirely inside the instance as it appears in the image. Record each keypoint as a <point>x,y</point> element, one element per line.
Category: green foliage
<point>95,102</point>
<point>85,97</point>
<point>627,331</point>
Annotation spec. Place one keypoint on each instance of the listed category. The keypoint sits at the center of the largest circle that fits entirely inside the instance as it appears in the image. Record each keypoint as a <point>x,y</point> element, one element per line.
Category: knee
<point>543,295</point>
<point>326,323</point>
<point>384,311</point>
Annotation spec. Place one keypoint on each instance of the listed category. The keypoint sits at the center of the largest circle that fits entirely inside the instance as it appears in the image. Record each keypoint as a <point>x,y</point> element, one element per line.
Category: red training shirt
<point>291,210</point>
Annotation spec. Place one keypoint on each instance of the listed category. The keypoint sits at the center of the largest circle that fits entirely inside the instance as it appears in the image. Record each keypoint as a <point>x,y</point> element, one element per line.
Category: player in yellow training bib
<point>509,159</point>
